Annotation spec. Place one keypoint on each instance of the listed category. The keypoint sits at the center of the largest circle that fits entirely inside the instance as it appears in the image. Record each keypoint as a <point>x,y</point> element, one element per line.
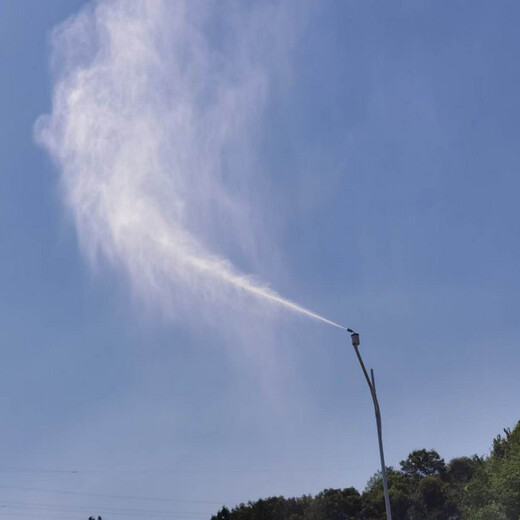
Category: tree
<point>335,504</point>
<point>431,500</point>
<point>494,490</point>
<point>504,466</point>
<point>223,514</point>
<point>423,463</point>
<point>461,469</point>
<point>399,488</point>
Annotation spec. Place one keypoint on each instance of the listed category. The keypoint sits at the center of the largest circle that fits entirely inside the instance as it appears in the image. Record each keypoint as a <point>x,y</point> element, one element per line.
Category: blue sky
<point>373,179</point>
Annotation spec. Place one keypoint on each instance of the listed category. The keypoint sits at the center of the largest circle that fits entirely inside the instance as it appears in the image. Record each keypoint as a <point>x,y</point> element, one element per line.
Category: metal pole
<point>372,385</point>
<point>381,452</point>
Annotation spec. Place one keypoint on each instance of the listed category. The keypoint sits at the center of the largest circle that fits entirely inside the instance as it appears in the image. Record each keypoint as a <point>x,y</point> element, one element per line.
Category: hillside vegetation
<point>424,488</point>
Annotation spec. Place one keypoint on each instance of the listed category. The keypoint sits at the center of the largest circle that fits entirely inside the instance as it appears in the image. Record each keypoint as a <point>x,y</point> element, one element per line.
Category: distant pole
<point>372,385</point>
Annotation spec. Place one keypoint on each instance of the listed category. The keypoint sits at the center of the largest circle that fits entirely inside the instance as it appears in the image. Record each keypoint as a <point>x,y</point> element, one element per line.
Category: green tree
<point>335,504</point>
<point>423,463</point>
<point>399,488</point>
<point>223,514</point>
<point>505,473</point>
<point>489,512</point>
<point>494,490</point>
<point>462,469</point>
<point>431,500</point>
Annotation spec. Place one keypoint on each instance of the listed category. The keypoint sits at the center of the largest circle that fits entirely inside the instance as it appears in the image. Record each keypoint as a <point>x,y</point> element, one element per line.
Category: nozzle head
<point>355,339</point>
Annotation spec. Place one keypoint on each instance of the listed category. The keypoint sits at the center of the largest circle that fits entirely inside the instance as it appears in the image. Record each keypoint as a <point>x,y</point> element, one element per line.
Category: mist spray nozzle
<point>355,338</point>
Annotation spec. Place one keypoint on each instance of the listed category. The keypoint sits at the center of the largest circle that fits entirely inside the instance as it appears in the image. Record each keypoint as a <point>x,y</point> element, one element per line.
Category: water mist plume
<point>147,111</point>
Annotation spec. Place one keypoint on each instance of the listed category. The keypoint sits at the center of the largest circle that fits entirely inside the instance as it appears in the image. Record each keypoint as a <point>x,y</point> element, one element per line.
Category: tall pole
<point>372,385</point>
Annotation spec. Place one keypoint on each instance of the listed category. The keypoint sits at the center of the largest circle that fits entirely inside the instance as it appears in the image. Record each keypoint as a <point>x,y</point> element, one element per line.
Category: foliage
<point>423,463</point>
<point>425,488</point>
<point>496,487</point>
<point>334,504</point>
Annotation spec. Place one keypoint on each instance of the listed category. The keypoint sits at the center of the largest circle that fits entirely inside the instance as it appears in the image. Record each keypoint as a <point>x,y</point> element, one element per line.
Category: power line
<point>149,513</point>
<point>169,471</point>
<point>30,515</point>
<point>121,497</point>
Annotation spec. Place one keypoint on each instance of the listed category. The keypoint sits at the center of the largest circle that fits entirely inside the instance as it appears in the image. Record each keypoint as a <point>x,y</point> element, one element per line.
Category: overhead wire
<point>120,497</point>
<point>118,511</point>
<point>128,512</point>
<point>80,471</point>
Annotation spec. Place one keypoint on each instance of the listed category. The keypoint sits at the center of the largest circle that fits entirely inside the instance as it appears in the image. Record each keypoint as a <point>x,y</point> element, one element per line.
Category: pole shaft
<point>372,385</point>
<point>381,451</point>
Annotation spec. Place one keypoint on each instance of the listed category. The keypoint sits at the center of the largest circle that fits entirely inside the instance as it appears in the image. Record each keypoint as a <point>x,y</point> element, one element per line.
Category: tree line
<point>425,487</point>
